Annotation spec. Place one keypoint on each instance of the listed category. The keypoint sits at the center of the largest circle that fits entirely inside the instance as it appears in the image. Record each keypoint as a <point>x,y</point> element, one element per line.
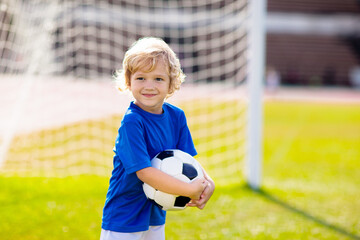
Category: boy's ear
<point>170,91</point>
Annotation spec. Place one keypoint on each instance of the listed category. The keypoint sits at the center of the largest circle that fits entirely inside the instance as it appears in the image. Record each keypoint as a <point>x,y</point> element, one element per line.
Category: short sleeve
<point>131,147</point>
<point>185,142</point>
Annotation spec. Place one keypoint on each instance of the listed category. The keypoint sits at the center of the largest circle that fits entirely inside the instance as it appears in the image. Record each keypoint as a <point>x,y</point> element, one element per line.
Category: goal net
<point>59,108</point>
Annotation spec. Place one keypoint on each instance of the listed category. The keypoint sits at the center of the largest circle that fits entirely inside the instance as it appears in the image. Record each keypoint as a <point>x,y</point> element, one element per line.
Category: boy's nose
<point>149,84</point>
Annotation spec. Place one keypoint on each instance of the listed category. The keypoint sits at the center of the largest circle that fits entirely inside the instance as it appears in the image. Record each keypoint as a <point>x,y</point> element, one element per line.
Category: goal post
<point>257,33</point>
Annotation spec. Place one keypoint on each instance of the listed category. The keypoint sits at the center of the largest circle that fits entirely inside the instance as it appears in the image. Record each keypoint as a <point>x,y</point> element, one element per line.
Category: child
<point>151,71</point>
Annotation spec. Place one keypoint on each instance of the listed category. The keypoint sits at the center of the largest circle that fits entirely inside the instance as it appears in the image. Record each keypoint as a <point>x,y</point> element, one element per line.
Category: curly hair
<point>144,54</point>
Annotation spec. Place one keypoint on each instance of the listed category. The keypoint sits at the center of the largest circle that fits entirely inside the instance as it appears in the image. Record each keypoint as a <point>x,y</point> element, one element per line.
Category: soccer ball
<point>180,165</point>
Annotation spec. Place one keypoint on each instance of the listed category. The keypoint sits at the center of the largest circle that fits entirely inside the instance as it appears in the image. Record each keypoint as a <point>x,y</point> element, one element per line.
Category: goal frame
<point>256,73</point>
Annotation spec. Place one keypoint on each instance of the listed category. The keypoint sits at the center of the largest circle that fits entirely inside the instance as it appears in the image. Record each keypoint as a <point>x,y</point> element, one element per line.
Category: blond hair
<point>144,54</point>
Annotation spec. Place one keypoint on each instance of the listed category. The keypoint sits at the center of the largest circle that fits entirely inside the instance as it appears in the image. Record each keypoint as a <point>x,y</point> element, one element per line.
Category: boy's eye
<point>159,79</point>
<point>140,78</point>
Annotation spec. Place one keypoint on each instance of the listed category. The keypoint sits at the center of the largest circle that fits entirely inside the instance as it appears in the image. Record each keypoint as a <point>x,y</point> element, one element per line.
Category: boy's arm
<point>166,183</point>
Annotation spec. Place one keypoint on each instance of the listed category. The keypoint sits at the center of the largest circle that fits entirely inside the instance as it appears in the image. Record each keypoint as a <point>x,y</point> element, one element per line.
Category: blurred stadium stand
<point>314,6</point>
<point>313,42</point>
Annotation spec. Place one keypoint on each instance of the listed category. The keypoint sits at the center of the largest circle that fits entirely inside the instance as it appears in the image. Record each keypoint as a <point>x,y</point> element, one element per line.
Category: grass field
<point>311,188</point>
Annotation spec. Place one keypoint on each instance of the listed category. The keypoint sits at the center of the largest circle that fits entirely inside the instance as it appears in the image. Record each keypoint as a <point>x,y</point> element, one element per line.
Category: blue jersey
<point>141,136</point>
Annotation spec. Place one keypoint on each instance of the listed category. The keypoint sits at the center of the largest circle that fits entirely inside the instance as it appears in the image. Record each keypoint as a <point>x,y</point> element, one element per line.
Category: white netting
<point>59,111</point>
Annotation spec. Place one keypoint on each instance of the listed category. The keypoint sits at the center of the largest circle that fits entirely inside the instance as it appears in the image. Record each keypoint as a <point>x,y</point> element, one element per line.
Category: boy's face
<point>150,88</point>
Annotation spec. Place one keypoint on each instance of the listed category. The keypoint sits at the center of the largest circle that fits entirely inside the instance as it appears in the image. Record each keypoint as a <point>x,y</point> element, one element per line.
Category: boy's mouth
<point>148,95</point>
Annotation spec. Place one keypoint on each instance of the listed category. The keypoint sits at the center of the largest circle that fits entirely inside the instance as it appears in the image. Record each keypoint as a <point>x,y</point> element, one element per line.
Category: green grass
<point>311,189</point>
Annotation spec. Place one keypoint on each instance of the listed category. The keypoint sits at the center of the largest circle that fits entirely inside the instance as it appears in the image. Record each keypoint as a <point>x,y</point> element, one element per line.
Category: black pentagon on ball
<point>181,201</point>
<point>165,154</point>
<point>189,171</point>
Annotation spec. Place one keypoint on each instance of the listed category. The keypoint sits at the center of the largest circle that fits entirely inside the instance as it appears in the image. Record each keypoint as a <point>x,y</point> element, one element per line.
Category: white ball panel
<point>149,191</point>
<point>198,169</point>
<point>171,166</point>
<point>167,201</point>
<point>156,163</point>
<point>183,156</point>
<point>182,177</point>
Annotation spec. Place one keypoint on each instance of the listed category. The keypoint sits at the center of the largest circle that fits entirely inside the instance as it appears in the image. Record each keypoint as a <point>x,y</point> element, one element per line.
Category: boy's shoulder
<point>172,108</point>
<point>132,115</point>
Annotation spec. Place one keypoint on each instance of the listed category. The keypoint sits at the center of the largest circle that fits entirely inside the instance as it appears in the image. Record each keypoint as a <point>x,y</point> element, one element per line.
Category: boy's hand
<point>204,197</point>
<point>198,186</point>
